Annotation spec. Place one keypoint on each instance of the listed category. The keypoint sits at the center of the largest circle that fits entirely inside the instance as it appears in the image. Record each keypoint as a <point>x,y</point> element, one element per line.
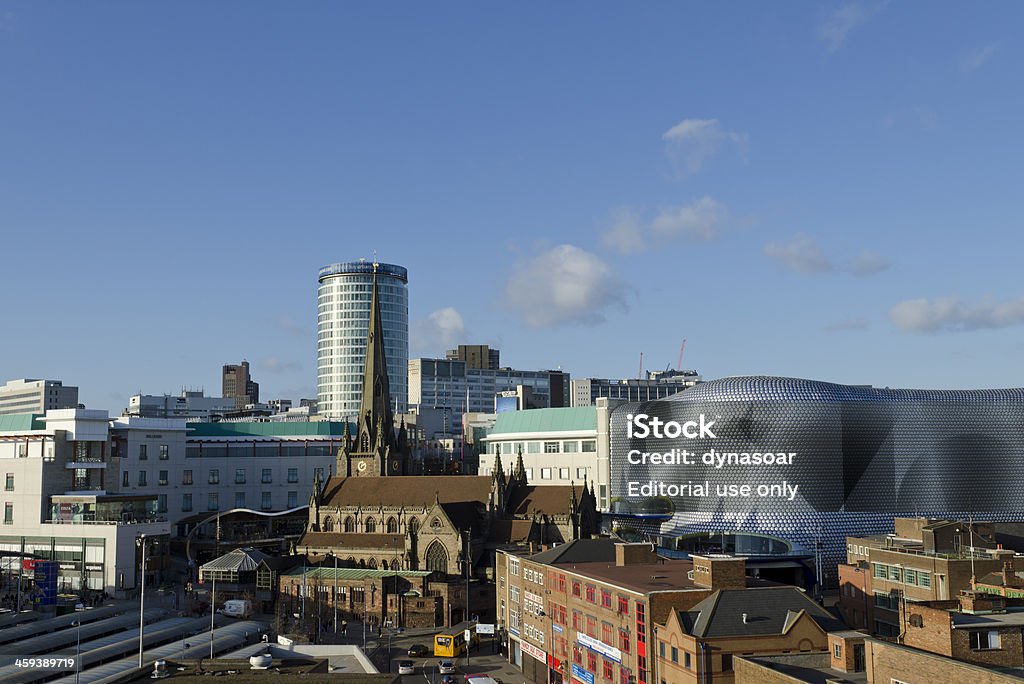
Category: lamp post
<point>140,541</point>
<point>334,598</point>
<point>467,595</point>
<point>78,649</point>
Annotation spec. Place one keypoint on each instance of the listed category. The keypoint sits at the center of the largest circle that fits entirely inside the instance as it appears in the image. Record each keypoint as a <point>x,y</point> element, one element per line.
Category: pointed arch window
<point>370,526</point>
<point>392,527</point>
<point>328,524</point>
<point>350,524</point>
<point>437,558</point>
<point>413,525</point>
<point>372,564</point>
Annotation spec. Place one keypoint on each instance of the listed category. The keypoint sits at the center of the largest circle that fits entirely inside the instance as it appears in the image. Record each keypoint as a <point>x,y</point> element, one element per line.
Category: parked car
<point>446,667</point>
<point>417,651</point>
<point>449,679</point>
<point>406,667</point>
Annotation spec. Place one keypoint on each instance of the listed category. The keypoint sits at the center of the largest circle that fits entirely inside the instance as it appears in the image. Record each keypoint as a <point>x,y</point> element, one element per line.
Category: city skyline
<point>817,191</point>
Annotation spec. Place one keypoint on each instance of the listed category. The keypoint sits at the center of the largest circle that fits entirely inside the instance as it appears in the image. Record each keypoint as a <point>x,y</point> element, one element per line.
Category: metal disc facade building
<point>782,465</point>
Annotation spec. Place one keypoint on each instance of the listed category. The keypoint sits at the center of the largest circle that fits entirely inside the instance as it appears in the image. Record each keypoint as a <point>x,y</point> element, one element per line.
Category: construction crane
<point>679,364</point>
<point>639,373</point>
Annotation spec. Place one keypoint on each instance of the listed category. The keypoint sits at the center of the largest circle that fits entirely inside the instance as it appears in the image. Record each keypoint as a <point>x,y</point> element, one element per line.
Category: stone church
<point>371,514</point>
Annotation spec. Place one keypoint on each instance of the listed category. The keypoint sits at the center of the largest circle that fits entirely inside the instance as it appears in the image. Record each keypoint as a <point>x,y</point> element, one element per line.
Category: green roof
<point>312,572</point>
<point>21,422</point>
<point>325,428</point>
<point>545,420</point>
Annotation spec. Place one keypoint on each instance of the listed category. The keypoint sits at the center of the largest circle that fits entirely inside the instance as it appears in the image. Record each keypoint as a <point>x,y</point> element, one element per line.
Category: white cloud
<point>288,324</point>
<point>834,28</point>
<point>949,314</point>
<point>273,364</point>
<point>691,142</point>
<point>977,58</point>
<point>700,221</point>
<point>869,263</point>
<point>848,325</point>
<point>442,329</point>
<point>562,286</point>
<point>800,255</point>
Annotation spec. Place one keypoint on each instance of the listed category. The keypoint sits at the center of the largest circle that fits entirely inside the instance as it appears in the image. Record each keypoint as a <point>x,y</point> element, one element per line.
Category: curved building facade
<point>343,318</point>
<point>784,463</point>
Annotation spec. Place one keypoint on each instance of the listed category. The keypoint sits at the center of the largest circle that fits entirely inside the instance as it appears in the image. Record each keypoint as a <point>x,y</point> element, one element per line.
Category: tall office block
<point>236,383</point>
<point>36,396</point>
<point>343,319</point>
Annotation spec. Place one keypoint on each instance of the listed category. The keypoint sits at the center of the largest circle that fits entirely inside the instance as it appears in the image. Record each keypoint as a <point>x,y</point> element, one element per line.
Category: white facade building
<point>343,319</point>
<point>559,446</point>
<point>36,396</point>
<point>190,405</point>
<point>657,385</point>
<point>56,505</point>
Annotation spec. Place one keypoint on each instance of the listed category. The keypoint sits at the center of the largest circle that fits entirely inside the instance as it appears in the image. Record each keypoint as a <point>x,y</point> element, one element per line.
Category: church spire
<point>375,404</point>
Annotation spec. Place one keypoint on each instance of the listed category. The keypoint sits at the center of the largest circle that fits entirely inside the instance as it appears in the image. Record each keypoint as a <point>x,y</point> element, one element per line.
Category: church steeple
<point>375,450</point>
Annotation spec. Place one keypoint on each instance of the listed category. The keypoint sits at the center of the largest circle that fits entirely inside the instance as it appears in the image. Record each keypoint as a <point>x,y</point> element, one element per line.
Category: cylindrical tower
<point>343,317</point>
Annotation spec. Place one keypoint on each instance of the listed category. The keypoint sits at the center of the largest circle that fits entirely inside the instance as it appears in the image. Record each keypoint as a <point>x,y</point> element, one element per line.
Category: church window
<point>395,565</point>
<point>350,524</point>
<point>372,564</point>
<point>392,526</point>
<point>370,526</point>
<point>437,558</point>
<point>435,524</point>
<point>328,524</point>
<point>413,525</point>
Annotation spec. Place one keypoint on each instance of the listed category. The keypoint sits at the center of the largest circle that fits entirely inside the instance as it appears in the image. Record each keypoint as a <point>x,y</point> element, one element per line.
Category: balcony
<point>90,462</point>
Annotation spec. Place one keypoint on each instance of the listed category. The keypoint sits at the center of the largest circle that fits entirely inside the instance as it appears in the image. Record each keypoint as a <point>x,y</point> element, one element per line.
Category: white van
<point>237,608</point>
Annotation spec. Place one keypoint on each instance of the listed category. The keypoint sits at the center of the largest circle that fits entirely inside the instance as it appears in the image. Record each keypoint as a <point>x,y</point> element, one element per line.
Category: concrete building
<point>189,405</point>
<point>36,396</point>
<point>343,317</point>
<point>57,503</point>
<point>923,560</point>
<point>449,385</point>
<point>657,385</point>
<point>237,384</point>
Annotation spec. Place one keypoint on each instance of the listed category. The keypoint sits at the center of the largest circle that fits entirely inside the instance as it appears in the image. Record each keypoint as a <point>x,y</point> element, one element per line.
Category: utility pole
<point>140,541</point>
<point>468,641</point>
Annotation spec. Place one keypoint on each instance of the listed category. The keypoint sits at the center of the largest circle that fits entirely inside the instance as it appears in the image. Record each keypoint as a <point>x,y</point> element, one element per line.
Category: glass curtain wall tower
<point>343,318</point>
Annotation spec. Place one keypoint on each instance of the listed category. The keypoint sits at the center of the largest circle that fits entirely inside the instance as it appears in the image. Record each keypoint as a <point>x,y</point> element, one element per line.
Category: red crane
<point>679,364</point>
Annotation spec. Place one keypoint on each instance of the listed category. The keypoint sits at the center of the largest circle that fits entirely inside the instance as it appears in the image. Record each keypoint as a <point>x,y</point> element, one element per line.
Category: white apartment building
<point>36,396</point>
<point>190,405</point>
<point>559,446</point>
<point>56,505</point>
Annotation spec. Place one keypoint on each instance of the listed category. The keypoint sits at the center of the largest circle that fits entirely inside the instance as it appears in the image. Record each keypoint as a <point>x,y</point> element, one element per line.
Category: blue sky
<point>819,190</point>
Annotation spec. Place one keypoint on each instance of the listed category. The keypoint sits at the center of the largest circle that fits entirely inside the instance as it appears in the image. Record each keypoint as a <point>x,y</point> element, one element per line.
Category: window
<point>265,501</point>
<point>606,598</point>
<point>581,473</point>
<point>837,650</point>
<point>545,473</point>
<point>142,478</point>
<point>267,477</point>
<point>675,654</point>
<point>606,633</point>
<point>591,661</point>
<point>910,576</point>
<point>591,593</point>
<point>142,452</point>
<point>214,478</point>
<point>212,502</point>
<point>551,447</point>
<point>293,499</point>
<point>661,649</point>
<point>162,479</point>
<point>686,660</point>
<point>589,446</point>
<point>240,476</point>
<point>161,503</point>
<point>623,606</point>
<point>239,499</point>
<point>186,477</point>
<point>879,570</point>
<point>624,640</point>
<point>577,588</point>
<point>570,447</point>
<point>124,479</point>
<point>529,474</point>
<point>318,474</point>
<point>533,447</point>
<point>22,450</point>
<point>591,626</point>
<point>563,473</point>
<point>164,452</point>
<point>606,667</point>
<point>924,579</point>
<point>984,639</point>
<point>370,526</point>
<point>9,484</point>
<point>293,475</point>
<point>186,502</point>
<point>8,513</point>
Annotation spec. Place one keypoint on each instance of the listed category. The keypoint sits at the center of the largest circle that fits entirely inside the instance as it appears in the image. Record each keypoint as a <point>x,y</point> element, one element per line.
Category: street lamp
<point>78,649</point>
<point>373,593</point>
<point>140,541</point>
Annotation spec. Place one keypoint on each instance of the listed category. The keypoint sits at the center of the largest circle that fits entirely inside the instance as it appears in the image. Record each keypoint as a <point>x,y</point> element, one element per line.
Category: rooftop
<point>323,428</point>
<point>814,668</point>
<point>582,418</point>
<point>306,670</point>
<point>759,611</point>
<point>21,422</point>
<point>341,574</point>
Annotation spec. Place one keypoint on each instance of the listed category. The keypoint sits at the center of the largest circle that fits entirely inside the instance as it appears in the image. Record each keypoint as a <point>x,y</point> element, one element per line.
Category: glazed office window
<point>552,447</point>
<point>186,477</point>
<point>570,447</point>
<point>267,476</point>
<point>142,452</point>
<point>606,598</point>
<point>589,446</point>
<point>164,452</point>
<point>240,476</point>
<point>186,503</point>
<point>214,477</point>
<point>591,593</point>
<point>293,475</point>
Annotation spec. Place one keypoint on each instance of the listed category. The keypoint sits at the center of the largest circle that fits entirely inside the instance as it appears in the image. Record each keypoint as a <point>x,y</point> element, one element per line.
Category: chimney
<point>719,571</point>
<point>634,554</point>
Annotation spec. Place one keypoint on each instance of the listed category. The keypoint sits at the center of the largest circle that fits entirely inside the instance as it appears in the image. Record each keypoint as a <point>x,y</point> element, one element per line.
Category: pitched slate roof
<point>550,499</point>
<point>601,550</point>
<point>405,490</point>
<point>352,540</point>
<point>769,610</point>
<point>510,531</point>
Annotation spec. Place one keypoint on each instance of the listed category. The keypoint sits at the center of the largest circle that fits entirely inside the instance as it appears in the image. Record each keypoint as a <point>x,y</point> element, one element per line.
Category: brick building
<point>588,609</point>
<point>923,560</point>
<point>699,644</point>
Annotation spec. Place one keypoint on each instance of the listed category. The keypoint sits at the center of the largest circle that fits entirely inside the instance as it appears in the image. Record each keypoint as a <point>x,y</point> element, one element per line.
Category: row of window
<point>213,501</point>
<point>369,525</point>
<point>164,452</point>
<point>586,446</point>
<point>213,477</point>
<point>672,653</point>
<point>895,573</point>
